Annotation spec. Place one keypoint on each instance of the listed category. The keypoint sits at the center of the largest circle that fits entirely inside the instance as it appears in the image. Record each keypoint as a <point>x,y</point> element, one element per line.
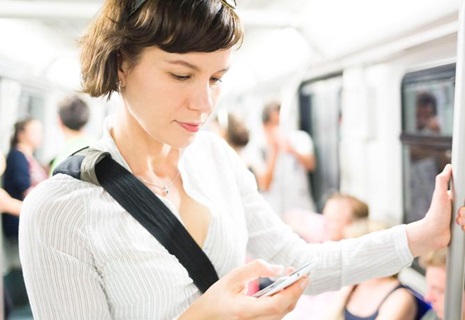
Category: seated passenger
<point>435,265</point>
<point>339,211</point>
<point>379,298</point>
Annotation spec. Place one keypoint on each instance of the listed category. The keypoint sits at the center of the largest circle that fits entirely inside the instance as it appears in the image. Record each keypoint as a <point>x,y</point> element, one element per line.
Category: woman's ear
<point>122,69</point>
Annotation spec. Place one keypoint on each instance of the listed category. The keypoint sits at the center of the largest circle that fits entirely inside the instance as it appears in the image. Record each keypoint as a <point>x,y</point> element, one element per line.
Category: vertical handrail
<point>456,252</point>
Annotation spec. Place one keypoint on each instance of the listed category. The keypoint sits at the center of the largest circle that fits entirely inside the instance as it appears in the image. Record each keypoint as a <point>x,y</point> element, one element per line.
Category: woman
<point>7,203</point>
<point>378,298</point>
<point>23,172</point>
<point>83,255</point>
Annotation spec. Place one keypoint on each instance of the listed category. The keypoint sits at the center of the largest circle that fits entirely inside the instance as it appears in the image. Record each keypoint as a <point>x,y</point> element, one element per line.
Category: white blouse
<point>85,257</point>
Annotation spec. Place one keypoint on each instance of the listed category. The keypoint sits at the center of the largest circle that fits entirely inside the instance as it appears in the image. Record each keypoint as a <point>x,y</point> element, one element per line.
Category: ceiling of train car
<point>281,35</point>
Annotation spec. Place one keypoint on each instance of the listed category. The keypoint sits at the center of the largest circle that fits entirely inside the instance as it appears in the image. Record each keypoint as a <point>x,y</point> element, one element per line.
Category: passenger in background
<point>23,171</point>
<point>73,115</point>
<point>237,134</point>
<point>11,206</point>
<point>22,174</point>
<point>425,162</point>
<point>281,163</point>
<point>427,114</point>
<point>379,298</point>
<point>339,211</point>
<point>435,266</point>
<point>232,128</point>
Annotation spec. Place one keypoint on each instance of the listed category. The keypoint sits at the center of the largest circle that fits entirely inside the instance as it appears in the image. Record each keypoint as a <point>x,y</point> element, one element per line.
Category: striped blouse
<point>85,257</point>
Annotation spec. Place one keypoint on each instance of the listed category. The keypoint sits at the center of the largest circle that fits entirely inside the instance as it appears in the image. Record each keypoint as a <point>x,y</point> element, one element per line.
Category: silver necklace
<point>165,189</point>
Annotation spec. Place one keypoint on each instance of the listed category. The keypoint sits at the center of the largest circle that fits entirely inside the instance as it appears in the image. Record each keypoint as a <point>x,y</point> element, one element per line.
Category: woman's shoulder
<point>15,155</point>
<point>402,300</point>
<point>58,198</point>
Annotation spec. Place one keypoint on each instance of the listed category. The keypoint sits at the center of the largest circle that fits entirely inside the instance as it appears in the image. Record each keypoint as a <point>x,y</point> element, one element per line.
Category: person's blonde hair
<point>362,227</point>
<point>123,28</point>
<point>359,209</point>
<point>437,258</point>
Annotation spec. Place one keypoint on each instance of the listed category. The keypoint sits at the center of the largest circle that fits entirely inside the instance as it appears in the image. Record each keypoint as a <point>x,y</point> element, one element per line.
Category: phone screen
<point>285,281</point>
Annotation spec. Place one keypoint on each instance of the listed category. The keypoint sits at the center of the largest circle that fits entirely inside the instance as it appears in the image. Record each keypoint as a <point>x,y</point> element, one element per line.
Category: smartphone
<point>285,281</point>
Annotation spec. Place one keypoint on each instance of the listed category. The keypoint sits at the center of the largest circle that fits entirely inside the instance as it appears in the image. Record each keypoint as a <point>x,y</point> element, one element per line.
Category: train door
<point>320,115</point>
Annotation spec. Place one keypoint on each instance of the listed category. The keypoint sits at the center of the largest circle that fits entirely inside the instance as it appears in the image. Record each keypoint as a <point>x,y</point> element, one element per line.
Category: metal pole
<point>456,253</point>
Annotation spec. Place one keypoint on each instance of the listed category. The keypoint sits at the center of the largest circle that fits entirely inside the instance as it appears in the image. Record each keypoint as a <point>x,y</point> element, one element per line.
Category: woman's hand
<point>227,298</point>
<point>9,204</point>
<point>460,220</point>
<point>433,231</point>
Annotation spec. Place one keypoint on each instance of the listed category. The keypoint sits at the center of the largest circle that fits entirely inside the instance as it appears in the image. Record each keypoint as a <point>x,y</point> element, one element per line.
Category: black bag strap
<point>146,208</point>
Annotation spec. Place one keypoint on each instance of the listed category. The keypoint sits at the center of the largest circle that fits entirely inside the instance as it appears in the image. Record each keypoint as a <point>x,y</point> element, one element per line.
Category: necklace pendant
<point>166,191</point>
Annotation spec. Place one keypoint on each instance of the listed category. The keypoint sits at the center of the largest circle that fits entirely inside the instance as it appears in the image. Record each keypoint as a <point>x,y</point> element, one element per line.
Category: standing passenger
<point>282,163</point>
<point>85,257</point>
<point>11,206</point>
<point>23,172</point>
<point>73,115</point>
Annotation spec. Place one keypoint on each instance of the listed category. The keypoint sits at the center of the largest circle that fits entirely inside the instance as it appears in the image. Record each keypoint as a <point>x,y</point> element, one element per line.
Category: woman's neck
<point>144,154</point>
<point>25,148</point>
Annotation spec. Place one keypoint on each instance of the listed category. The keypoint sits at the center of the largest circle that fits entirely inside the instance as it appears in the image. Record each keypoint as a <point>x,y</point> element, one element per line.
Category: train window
<point>30,104</point>
<point>427,124</point>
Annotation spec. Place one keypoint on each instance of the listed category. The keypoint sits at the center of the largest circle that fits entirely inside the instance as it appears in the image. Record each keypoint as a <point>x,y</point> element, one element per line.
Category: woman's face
<point>170,96</point>
<point>436,286</point>
<point>338,215</point>
<point>32,134</point>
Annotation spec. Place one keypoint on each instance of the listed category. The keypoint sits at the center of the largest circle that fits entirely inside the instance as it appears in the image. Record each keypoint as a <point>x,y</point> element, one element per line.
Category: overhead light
<point>47,9</point>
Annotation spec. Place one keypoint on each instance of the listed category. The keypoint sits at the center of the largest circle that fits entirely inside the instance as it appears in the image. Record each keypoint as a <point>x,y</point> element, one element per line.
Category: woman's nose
<point>203,99</point>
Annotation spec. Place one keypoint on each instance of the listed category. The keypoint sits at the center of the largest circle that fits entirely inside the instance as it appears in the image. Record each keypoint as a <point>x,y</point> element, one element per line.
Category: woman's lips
<point>190,127</point>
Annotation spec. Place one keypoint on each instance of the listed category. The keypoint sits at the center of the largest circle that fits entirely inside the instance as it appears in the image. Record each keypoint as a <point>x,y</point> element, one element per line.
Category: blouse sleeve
<point>339,263</point>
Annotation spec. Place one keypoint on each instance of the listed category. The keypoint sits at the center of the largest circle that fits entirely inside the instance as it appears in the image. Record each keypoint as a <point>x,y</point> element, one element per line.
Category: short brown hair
<point>237,133</point>
<point>268,109</point>
<point>74,112</point>
<point>175,26</point>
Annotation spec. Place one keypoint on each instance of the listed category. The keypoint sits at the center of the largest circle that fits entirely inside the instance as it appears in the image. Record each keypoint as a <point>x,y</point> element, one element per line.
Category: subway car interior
<point>351,74</point>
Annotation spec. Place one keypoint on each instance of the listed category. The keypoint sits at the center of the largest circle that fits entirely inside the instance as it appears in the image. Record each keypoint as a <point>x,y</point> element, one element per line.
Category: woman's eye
<point>216,80</point>
<point>180,77</point>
